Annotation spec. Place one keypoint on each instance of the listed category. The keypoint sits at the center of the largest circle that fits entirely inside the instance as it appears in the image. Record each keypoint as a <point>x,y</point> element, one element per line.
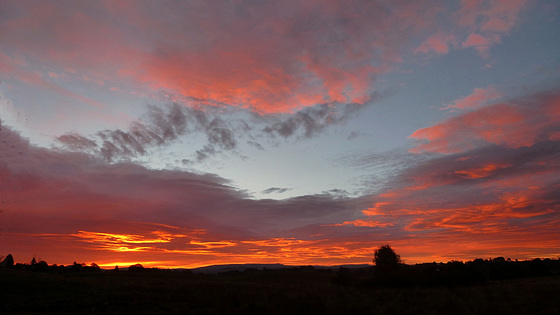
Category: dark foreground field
<point>288,291</point>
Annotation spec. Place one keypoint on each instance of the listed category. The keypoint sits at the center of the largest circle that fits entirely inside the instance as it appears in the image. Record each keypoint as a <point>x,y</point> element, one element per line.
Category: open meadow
<point>303,290</point>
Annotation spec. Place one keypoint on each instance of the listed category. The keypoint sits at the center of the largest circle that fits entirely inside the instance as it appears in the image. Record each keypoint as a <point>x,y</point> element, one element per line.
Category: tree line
<point>43,266</point>
<point>389,270</point>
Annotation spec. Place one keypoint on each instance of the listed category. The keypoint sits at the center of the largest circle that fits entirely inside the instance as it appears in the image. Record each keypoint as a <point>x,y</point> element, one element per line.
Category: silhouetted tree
<point>8,262</point>
<point>136,267</point>
<point>41,266</point>
<point>77,266</point>
<point>385,259</point>
<point>94,267</point>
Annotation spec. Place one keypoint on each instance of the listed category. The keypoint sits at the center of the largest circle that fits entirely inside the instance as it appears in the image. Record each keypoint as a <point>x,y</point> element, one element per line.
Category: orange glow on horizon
<point>466,245</point>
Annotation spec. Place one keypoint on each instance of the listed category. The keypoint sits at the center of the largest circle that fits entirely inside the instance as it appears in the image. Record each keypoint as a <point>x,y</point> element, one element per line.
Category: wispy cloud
<point>275,190</point>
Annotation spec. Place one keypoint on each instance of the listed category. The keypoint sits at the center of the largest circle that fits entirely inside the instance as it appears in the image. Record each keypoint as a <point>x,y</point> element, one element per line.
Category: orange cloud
<point>126,242</point>
<point>366,223</point>
<point>482,172</point>
<point>375,209</point>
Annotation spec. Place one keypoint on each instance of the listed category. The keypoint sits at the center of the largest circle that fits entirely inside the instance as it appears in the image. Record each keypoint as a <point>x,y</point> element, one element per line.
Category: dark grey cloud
<point>310,121</point>
<point>397,158</point>
<point>159,126</point>
<point>275,190</point>
<point>353,134</point>
<point>338,193</point>
<point>206,152</point>
<point>255,145</point>
<point>224,128</point>
<point>78,142</point>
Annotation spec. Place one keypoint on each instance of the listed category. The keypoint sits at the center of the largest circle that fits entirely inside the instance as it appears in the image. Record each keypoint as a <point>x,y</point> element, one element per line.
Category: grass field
<point>287,291</point>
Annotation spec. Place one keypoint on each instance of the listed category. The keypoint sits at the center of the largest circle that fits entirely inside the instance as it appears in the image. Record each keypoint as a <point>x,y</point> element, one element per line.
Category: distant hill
<point>214,269</point>
<point>236,267</point>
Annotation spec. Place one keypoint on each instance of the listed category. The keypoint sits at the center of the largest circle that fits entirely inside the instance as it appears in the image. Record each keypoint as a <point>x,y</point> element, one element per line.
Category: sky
<point>192,133</point>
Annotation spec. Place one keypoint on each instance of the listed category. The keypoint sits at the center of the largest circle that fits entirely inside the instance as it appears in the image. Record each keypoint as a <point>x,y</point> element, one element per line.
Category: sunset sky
<point>191,133</point>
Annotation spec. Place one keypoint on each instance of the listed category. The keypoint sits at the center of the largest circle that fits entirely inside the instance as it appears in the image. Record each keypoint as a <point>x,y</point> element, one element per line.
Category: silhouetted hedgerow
<point>458,273</point>
<point>451,274</point>
<point>43,266</point>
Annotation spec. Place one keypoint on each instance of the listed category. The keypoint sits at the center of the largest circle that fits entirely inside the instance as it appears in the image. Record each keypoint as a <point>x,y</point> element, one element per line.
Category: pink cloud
<point>478,24</point>
<point>490,15</point>
<point>480,43</point>
<point>502,15</point>
<point>514,124</point>
<point>266,57</point>
<point>301,54</point>
<point>487,21</point>
<point>478,98</point>
<point>438,44</point>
